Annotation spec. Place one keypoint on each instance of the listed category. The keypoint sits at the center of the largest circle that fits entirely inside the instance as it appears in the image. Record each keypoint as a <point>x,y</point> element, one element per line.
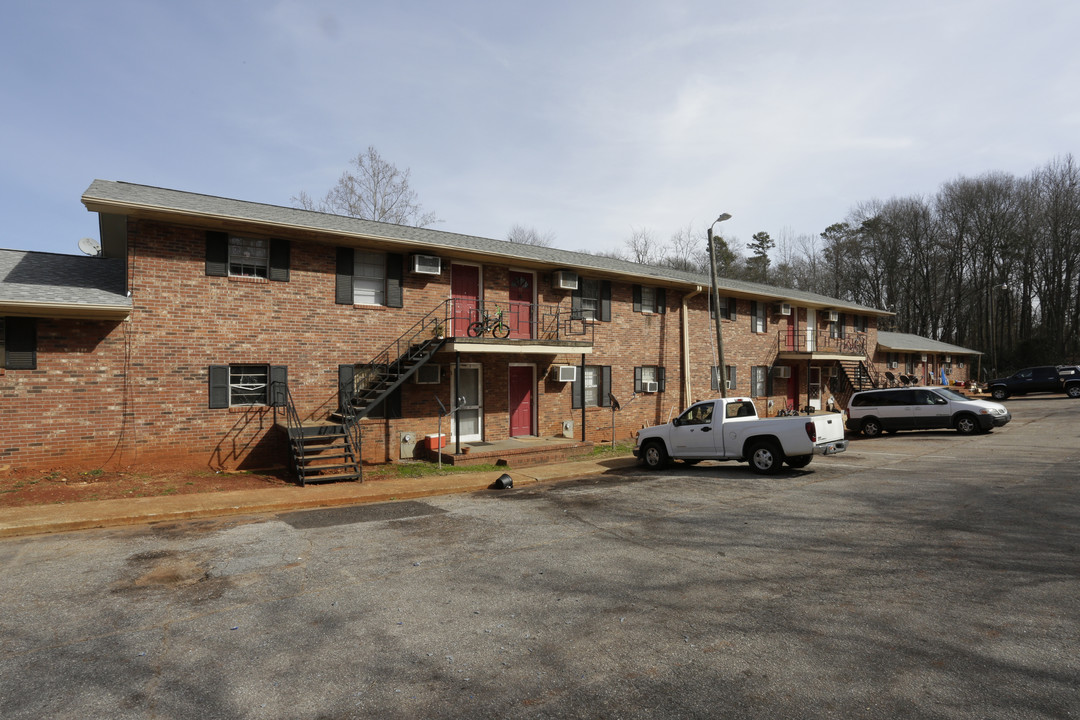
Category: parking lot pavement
<point>919,575</point>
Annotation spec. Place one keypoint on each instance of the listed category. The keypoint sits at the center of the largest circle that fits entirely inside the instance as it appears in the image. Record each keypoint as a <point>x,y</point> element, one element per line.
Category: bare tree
<point>373,189</point>
<point>530,236</point>
<point>643,247</point>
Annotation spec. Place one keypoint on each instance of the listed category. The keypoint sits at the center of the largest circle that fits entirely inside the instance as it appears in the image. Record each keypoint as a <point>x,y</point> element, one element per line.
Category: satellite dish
<point>614,402</point>
<point>90,246</point>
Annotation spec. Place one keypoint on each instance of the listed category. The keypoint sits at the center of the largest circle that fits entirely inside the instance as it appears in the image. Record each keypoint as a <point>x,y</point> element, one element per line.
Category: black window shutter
<point>219,386</point>
<point>637,298</point>
<point>21,343</point>
<point>395,296</point>
<point>217,253</point>
<point>605,386</point>
<point>731,376</point>
<point>605,301</point>
<point>661,379</point>
<point>577,391</point>
<point>279,260</point>
<point>731,308</point>
<point>279,384</point>
<point>768,380</point>
<point>575,303</point>
<point>712,310</point>
<point>714,381</point>
<point>346,375</point>
<point>661,300</point>
<point>637,379</point>
<point>343,292</point>
<point>753,315</point>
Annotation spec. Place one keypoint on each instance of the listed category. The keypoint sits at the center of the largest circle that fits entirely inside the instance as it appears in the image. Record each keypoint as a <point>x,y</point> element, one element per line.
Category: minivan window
<point>926,397</point>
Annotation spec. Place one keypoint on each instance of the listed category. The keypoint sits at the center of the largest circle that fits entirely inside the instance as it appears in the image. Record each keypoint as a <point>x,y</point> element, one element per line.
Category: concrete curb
<point>43,519</point>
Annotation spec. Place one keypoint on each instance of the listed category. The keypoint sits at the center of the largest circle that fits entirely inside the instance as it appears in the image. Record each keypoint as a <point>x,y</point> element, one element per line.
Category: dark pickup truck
<point>1046,378</point>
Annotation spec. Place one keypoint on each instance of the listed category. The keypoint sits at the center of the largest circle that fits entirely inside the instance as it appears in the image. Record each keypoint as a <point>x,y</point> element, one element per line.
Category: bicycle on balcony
<point>489,322</point>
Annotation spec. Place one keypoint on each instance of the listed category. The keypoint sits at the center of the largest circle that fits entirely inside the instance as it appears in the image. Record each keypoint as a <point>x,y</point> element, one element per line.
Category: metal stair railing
<point>282,397</point>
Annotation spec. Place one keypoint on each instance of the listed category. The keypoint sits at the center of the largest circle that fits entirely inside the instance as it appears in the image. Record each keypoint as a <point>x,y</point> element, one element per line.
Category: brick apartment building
<point>206,324</point>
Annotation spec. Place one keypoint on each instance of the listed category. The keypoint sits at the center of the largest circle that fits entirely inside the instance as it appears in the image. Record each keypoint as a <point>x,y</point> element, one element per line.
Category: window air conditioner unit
<point>428,375</point>
<point>426,265</point>
<point>650,386</point>
<point>783,309</point>
<point>728,385</point>
<point>834,316</point>
<point>565,280</point>
<point>567,373</point>
<point>893,365</point>
<point>922,358</point>
<point>948,358</point>
<point>782,371</point>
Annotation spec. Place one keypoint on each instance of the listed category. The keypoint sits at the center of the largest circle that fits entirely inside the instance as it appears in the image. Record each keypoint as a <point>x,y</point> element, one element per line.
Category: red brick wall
<point>135,392</point>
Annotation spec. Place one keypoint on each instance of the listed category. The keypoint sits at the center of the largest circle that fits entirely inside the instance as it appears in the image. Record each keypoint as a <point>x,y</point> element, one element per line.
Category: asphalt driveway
<point>916,576</point>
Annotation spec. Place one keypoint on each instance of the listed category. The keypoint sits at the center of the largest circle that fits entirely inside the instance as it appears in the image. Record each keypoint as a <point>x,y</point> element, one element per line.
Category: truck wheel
<point>654,456</point>
<point>765,458</point>
<point>999,393</point>
<point>800,461</point>
<point>871,427</point>
<point>967,425</point>
<point>1073,390</point>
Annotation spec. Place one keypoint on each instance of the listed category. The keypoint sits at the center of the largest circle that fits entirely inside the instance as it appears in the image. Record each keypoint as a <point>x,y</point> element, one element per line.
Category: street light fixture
<point>721,369</point>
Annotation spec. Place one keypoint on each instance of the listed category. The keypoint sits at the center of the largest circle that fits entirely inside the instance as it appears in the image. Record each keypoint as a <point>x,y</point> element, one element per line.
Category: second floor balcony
<point>809,344</point>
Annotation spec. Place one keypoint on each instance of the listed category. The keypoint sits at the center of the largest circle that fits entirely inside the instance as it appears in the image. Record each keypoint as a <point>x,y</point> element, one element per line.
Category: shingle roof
<point>48,284</point>
<point>124,198</point>
<point>917,343</point>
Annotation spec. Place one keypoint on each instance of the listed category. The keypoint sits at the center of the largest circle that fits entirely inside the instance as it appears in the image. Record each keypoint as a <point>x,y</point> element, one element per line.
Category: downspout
<point>686,345</point>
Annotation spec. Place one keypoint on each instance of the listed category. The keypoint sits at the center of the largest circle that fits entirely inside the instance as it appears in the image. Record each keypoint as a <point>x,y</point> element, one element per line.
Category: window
<point>836,327</point>
<point>18,343</point>
<point>909,364</point>
<point>593,387</point>
<point>715,382</point>
<point>247,385</point>
<point>860,323</point>
<point>759,381</point>
<point>648,374</point>
<point>727,307</point>
<point>758,323</point>
<point>246,257</point>
<point>700,414</point>
<point>369,278</point>
<point>650,300</point>
<point>592,300</point>
<point>366,277</point>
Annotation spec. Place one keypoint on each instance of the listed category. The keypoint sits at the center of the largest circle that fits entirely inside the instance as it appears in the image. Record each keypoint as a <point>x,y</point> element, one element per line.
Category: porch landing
<point>513,452</point>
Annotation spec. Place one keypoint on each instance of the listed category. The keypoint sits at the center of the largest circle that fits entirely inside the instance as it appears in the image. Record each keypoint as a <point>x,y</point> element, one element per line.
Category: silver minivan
<point>922,408</point>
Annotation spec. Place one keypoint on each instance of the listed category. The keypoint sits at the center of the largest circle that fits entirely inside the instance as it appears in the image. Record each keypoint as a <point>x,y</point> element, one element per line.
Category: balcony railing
<point>803,341</point>
<point>514,321</point>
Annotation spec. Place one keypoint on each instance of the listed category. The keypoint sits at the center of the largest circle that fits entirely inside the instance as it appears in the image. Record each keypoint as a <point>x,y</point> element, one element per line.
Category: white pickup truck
<point>730,429</point>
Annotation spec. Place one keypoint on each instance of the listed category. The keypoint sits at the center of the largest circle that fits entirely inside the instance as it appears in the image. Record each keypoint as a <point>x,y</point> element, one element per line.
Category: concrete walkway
<point>65,517</point>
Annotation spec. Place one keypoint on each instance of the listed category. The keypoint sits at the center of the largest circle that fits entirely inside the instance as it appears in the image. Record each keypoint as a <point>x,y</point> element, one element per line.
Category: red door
<point>521,400</point>
<point>792,332</point>
<point>465,293</point>
<point>793,388</point>
<point>520,316</point>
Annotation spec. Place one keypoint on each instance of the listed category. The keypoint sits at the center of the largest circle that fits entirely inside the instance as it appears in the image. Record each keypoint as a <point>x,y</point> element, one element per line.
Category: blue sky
<point>585,120</point>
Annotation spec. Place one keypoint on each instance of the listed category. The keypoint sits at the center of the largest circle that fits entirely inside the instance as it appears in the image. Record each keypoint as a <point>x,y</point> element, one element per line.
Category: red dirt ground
<point>19,488</point>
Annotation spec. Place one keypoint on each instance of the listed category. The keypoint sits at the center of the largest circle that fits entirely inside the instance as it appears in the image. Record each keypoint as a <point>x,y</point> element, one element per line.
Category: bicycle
<point>489,323</point>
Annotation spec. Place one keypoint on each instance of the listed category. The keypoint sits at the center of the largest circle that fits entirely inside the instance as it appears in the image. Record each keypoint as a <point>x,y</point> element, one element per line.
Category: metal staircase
<point>330,450</point>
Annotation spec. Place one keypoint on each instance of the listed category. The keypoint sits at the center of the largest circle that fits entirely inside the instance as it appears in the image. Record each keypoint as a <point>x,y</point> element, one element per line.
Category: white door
<point>813,385</point>
<point>471,413</point>
<point>696,432</point>
<point>811,326</point>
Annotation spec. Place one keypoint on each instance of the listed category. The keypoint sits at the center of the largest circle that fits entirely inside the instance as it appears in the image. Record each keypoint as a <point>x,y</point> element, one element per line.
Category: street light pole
<point>993,328</point>
<point>721,369</point>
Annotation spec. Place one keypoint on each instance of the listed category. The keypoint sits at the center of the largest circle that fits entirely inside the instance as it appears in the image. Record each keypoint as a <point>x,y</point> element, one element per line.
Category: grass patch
<point>425,469</point>
<point>619,449</point>
<point>93,473</point>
